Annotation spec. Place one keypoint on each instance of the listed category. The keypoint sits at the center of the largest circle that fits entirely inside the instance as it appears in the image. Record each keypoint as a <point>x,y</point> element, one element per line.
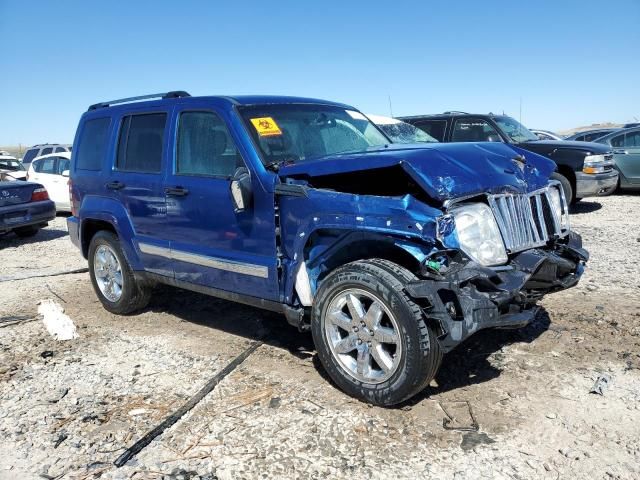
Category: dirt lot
<point>69,409</point>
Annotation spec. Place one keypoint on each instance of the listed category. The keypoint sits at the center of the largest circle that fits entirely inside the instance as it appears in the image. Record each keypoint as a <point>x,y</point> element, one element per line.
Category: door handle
<point>176,191</point>
<point>115,185</point>
<point>620,151</point>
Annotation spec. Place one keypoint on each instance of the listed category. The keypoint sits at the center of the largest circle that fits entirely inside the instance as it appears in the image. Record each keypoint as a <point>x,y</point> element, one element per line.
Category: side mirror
<point>65,173</point>
<point>241,193</point>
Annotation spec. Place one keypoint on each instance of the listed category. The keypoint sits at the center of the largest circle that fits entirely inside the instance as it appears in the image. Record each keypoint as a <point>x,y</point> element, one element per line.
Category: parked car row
<point>608,160</point>
<point>583,169</point>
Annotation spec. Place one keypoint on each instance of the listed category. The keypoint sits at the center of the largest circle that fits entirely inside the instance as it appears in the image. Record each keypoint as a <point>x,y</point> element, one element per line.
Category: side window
<point>60,149</point>
<point>140,143</point>
<point>92,145</point>
<point>474,130</point>
<point>63,164</point>
<point>205,146</point>
<point>580,138</point>
<point>632,139</point>
<point>30,155</point>
<point>435,128</point>
<point>48,165</point>
<point>618,141</point>
<point>46,151</point>
<point>36,166</point>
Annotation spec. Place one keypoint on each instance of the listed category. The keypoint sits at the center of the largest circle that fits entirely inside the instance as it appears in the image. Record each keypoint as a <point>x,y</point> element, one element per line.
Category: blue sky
<point>573,62</point>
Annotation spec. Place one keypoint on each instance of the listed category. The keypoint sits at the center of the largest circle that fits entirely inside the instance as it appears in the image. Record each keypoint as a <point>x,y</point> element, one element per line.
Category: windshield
<point>298,132</point>
<point>515,130</point>
<point>11,165</point>
<point>401,132</point>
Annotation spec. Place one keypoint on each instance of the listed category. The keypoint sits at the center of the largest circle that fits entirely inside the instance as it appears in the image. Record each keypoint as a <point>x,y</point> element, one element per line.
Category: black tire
<point>566,186</point>
<point>420,355</point>
<point>26,232</point>
<point>135,295</point>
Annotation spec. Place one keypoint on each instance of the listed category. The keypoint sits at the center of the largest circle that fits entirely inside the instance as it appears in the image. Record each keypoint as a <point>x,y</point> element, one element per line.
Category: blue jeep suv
<point>391,255</point>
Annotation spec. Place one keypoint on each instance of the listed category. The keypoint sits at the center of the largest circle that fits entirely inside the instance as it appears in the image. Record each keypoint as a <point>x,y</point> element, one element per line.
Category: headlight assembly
<point>595,164</point>
<point>559,206</point>
<point>478,234</point>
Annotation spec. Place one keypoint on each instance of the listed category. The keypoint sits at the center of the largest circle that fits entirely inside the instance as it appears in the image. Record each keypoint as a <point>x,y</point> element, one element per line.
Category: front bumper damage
<point>464,297</point>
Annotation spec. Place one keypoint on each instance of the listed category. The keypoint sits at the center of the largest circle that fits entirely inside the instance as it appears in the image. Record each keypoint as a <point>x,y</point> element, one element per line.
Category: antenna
<point>520,120</point>
<point>390,107</point>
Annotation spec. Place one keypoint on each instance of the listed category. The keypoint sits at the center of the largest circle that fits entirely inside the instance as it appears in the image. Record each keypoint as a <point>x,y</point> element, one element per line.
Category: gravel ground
<point>69,409</point>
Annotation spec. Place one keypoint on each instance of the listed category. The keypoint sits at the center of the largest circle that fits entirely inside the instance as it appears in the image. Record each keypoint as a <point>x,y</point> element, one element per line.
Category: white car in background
<point>11,169</point>
<point>52,171</point>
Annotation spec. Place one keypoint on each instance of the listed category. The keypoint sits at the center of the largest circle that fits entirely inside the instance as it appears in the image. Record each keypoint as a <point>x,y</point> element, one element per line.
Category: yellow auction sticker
<point>266,126</point>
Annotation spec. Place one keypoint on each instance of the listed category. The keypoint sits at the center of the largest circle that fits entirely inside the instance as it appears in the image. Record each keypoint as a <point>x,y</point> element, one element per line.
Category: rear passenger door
<point>211,244</point>
<point>136,182</point>
<point>44,171</point>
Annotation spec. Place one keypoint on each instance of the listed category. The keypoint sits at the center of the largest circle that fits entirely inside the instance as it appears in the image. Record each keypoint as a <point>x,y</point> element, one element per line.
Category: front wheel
<point>112,277</point>
<point>371,338</point>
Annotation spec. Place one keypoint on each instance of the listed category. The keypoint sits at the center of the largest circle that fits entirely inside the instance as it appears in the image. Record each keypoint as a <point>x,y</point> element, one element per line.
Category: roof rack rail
<point>172,94</point>
<point>455,111</point>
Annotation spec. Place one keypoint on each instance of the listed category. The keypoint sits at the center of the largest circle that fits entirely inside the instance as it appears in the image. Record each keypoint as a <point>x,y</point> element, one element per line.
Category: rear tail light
<point>74,206</point>
<point>39,194</point>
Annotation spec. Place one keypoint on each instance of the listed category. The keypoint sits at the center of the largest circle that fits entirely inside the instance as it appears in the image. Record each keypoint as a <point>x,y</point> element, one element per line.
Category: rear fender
<point>107,210</point>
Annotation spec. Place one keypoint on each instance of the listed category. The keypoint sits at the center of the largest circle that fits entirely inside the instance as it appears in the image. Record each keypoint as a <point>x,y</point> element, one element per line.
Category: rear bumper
<point>26,215</point>
<point>465,297</point>
<point>73,225</point>
<point>589,185</point>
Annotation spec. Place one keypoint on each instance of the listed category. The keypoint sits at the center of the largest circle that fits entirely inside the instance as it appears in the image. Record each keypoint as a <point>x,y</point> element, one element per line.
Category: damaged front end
<point>485,248</point>
<point>464,297</point>
<point>535,253</point>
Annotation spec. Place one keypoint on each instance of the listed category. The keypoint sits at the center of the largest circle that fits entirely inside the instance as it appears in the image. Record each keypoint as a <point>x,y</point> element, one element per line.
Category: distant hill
<point>593,126</point>
<point>14,150</point>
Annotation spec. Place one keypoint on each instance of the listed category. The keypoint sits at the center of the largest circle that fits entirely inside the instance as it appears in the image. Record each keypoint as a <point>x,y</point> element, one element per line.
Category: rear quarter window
<point>30,155</point>
<point>92,144</point>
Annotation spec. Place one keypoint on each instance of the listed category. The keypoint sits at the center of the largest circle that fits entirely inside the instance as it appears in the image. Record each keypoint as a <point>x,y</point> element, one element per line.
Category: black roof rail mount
<point>172,94</point>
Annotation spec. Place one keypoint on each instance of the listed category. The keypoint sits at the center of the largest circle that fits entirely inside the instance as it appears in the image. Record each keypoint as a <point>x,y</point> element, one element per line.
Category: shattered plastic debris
<point>59,325</point>
<point>602,383</point>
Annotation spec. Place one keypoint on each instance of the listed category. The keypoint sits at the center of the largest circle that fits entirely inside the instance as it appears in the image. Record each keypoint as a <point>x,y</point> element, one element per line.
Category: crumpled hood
<point>445,170</point>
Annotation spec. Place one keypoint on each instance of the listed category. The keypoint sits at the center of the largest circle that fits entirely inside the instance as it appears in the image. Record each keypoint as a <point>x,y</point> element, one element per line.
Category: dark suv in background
<point>584,169</point>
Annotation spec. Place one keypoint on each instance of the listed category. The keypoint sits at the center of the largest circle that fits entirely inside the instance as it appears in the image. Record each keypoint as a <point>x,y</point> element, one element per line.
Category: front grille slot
<point>526,220</point>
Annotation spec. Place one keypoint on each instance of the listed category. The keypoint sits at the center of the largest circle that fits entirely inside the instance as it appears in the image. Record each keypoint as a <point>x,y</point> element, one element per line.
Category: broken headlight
<point>478,234</point>
<point>559,207</point>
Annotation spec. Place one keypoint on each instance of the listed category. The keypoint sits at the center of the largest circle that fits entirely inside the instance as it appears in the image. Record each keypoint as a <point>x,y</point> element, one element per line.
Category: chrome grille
<point>527,220</point>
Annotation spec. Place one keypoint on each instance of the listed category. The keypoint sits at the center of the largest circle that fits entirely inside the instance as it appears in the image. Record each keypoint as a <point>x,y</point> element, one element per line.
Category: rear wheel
<point>566,186</point>
<point>112,277</point>
<point>26,232</point>
<point>371,338</point>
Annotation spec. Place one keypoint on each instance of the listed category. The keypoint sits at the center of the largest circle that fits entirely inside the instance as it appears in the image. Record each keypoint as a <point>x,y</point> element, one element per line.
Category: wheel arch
<point>98,214</point>
<point>327,249</point>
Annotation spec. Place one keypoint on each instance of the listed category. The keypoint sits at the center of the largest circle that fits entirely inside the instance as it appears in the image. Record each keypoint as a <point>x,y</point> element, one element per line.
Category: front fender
<point>318,225</point>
